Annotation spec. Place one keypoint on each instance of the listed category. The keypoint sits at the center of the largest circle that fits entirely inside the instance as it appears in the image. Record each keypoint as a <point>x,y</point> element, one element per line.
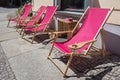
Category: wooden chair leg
<point>8,23</point>
<point>23,33</point>
<point>22,30</point>
<point>33,37</point>
<point>16,27</point>
<point>50,51</point>
<point>68,64</point>
<point>103,42</point>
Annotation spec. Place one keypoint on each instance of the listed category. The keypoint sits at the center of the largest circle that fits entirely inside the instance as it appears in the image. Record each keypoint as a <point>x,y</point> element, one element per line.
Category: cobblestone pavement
<point>6,72</point>
<point>104,68</point>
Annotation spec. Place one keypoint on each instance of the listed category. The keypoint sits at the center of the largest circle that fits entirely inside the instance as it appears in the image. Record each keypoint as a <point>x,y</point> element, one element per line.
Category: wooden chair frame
<point>76,46</point>
<point>18,16</point>
<point>35,32</point>
<point>36,26</point>
<point>24,22</point>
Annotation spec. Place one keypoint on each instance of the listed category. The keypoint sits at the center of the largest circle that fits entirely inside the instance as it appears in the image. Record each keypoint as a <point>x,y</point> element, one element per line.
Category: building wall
<point>112,32</point>
<point>38,3</point>
<point>115,17</point>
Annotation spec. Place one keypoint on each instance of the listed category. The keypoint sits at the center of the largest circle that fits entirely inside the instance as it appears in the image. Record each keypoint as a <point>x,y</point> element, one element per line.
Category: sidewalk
<point>29,61</point>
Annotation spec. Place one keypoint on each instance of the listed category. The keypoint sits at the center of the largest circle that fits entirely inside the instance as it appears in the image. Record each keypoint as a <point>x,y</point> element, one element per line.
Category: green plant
<point>20,9</point>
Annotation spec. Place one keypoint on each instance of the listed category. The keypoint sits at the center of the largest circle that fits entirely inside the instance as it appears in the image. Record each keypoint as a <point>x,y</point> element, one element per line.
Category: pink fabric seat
<point>23,15</point>
<point>35,18</point>
<point>88,30</point>
<point>42,25</point>
<point>46,20</point>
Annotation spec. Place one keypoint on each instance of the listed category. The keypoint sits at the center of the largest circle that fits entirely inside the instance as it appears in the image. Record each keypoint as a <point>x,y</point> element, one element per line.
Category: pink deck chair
<point>22,16</point>
<point>34,19</point>
<point>49,13</point>
<point>93,22</point>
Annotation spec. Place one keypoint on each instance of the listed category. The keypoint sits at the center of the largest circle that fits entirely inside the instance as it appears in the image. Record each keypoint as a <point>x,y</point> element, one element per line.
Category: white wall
<point>115,16</point>
<point>38,3</point>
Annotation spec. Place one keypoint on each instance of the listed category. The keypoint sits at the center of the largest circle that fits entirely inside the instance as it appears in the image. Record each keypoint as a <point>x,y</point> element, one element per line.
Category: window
<point>73,5</point>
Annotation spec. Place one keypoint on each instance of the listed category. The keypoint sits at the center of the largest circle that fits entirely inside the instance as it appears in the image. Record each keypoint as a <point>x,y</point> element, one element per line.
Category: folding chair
<point>42,26</point>
<point>34,19</point>
<point>21,16</point>
<point>82,41</point>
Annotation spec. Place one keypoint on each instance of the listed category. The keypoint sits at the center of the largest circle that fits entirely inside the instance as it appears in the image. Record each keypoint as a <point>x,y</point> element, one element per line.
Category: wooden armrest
<point>66,21</point>
<point>55,34</point>
<point>35,11</point>
<point>42,24</point>
<point>30,20</point>
<point>80,45</point>
<point>25,21</point>
<point>34,26</point>
<point>62,32</point>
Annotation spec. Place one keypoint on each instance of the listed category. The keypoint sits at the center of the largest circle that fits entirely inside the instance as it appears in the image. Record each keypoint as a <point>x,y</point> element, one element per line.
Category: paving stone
<point>18,46</point>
